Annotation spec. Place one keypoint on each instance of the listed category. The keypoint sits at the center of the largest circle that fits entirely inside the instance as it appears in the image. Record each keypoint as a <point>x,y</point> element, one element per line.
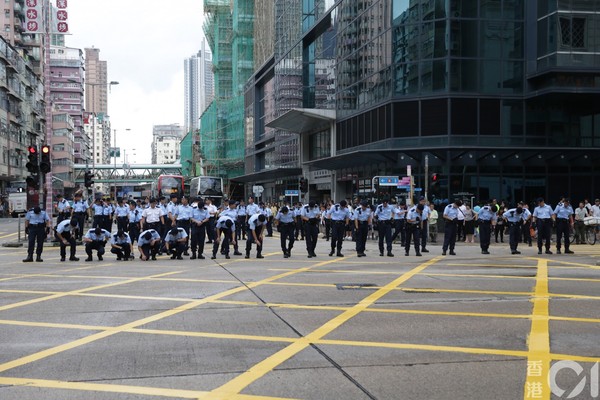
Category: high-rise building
<point>229,32</point>
<point>166,141</point>
<point>66,91</point>
<point>96,98</point>
<point>198,86</point>
<point>497,97</point>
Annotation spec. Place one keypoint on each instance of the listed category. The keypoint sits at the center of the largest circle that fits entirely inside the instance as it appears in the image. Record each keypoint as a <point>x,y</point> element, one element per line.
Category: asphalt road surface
<point>468,326</point>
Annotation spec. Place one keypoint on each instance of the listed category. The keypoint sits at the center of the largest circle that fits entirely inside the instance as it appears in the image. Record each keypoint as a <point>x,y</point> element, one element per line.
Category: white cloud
<point>144,44</point>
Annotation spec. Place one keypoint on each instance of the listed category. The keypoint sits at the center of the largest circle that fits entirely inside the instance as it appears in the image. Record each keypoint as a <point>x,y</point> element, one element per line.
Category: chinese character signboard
<point>33,16</point>
<point>60,18</point>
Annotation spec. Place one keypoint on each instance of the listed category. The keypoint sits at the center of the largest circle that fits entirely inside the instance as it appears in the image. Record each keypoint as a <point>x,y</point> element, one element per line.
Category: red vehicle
<point>166,185</point>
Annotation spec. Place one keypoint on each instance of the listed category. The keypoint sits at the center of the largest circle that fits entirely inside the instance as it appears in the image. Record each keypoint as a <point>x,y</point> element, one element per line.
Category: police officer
<point>121,245</point>
<point>122,212</point>
<point>79,211</point>
<point>515,218</point>
<point>240,221</point>
<point>108,212</point>
<point>63,209</point>
<point>425,225</point>
<point>37,227</point>
<point>176,242</point>
<point>134,217</point>
<point>200,218</point>
<point>311,215</point>
<point>152,217</point>
<point>543,218</point>
<point>399,222</point>
<point>487,218</point>
<point>286,225</point>
<point>225,226</point>
<point>298,219</point>
<point>414,222</point>
<point>182,216</point>
<point>450,216</point>
<point>95,239</point>
<point>255,234</point>
<point>563,214</point>
<point>98,209</point>
<point>231,212</point>
<point>149,244</point>
<point>363,219</point>
<point>65,233</point>
<point>384,213</point>
<point>340,216</point>
<point>266,211</point>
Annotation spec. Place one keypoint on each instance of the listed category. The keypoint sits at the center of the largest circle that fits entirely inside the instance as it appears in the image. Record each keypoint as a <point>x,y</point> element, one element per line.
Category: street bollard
<point>19,229</point>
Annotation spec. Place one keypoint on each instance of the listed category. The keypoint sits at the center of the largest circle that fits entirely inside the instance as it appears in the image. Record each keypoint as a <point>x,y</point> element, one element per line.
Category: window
<point>572,32</point>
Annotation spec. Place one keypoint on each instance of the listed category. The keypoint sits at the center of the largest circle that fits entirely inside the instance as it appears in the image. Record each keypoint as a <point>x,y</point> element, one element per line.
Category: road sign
<point>407,187</point>
<point>257,190</point>
<point>388,180</point>
<point>418,189</point>
<point>114,152</point>
<point>292,193</point>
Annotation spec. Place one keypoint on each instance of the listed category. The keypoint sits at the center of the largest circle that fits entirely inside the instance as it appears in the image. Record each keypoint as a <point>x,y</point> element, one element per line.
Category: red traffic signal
<point>32,150</point>
<point>435,177</point>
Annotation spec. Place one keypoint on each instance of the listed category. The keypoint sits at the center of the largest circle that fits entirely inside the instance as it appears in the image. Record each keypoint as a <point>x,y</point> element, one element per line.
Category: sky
<point>144,44</point>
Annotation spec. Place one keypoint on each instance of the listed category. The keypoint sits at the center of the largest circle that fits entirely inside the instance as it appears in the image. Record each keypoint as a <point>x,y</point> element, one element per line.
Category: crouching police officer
<point>37,227</point>
<point>255,234</point>
<point>148,244</point>
<point>515,217</point>
<point>121,245</point>
<point>95,239</point>
<point>176,242</point>
<point>65,232</point>
<point>286,226</point>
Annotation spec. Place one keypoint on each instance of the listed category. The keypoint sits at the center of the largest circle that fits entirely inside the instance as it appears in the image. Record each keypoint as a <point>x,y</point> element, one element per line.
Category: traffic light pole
<point>48,101</point>
<point>426,178</point>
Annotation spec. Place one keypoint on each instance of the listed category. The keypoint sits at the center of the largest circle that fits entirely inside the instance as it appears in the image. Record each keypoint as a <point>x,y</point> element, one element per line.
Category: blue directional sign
<point>292,193</point>
<point>388,180</point>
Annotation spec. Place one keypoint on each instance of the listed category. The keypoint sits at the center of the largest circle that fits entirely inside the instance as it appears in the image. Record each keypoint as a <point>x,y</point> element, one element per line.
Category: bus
<point>207,186</point>
<point>166,185</point>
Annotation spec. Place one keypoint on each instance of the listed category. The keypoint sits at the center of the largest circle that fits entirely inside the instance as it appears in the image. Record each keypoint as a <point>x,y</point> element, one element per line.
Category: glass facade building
<point>499,96</point>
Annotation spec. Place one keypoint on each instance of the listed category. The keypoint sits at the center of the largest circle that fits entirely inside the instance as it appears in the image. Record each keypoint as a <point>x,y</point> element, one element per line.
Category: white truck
<point>17,203</point>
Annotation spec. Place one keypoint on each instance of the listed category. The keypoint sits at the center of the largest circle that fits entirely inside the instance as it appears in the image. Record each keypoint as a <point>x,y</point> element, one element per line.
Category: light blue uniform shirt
<point>223,220</point>
<point>384,212</point>
<point>35,219</point>
<point>98,209</point>
<point>286,218</point>
<point>486,214</point>
<point>134,215</point>
<point>266,212</point>
<point>142,241</point>
<point>65,226</point>
<point>63,206</point>
<point>80,206</point>
<point>451,212</point>
<point>512,216</point>
<point>544,212</point>
<point>308,212</point>
<point>399,212</point>
<point>413,216</point>
<point>241,211</point>
<point>426,212</point>
<point>229,212</point>
<point>181,233</point>
<point>563,212</point>
<point>339,213</point>
<point>253,222</point>
<point>200,214</point>
<point>103,236</point>
<point>122,211</point>
<point>252,209</point>
<point>107,210</point>
<point>362,214</point>
<point>118,241</point>
<point>183,213</point>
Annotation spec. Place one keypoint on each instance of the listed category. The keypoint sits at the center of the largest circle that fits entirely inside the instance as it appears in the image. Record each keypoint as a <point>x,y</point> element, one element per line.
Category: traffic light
<point>45,164</point>
<point>32,155</point>
<point>303,185</point>
<point>435,181</point>
<point>33,181</point>
<point>88,179</point>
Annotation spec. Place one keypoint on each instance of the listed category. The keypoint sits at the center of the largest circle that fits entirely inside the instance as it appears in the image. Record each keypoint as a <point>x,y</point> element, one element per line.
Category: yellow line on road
<point>538,357</point>
<point>74,292</point>
<point>109,388</point>
<point>135,324</point>
<point>9,235</point>
<point>239,383</point>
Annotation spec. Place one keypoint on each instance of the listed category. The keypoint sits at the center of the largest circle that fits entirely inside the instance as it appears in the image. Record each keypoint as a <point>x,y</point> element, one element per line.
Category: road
<point>433,327</point>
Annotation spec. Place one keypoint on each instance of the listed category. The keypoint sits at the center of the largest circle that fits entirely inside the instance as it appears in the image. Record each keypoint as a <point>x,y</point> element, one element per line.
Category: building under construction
<point>229,30</point>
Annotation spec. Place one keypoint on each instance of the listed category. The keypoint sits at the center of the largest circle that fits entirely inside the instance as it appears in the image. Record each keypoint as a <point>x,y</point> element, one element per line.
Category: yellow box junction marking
<point>239,383</point>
